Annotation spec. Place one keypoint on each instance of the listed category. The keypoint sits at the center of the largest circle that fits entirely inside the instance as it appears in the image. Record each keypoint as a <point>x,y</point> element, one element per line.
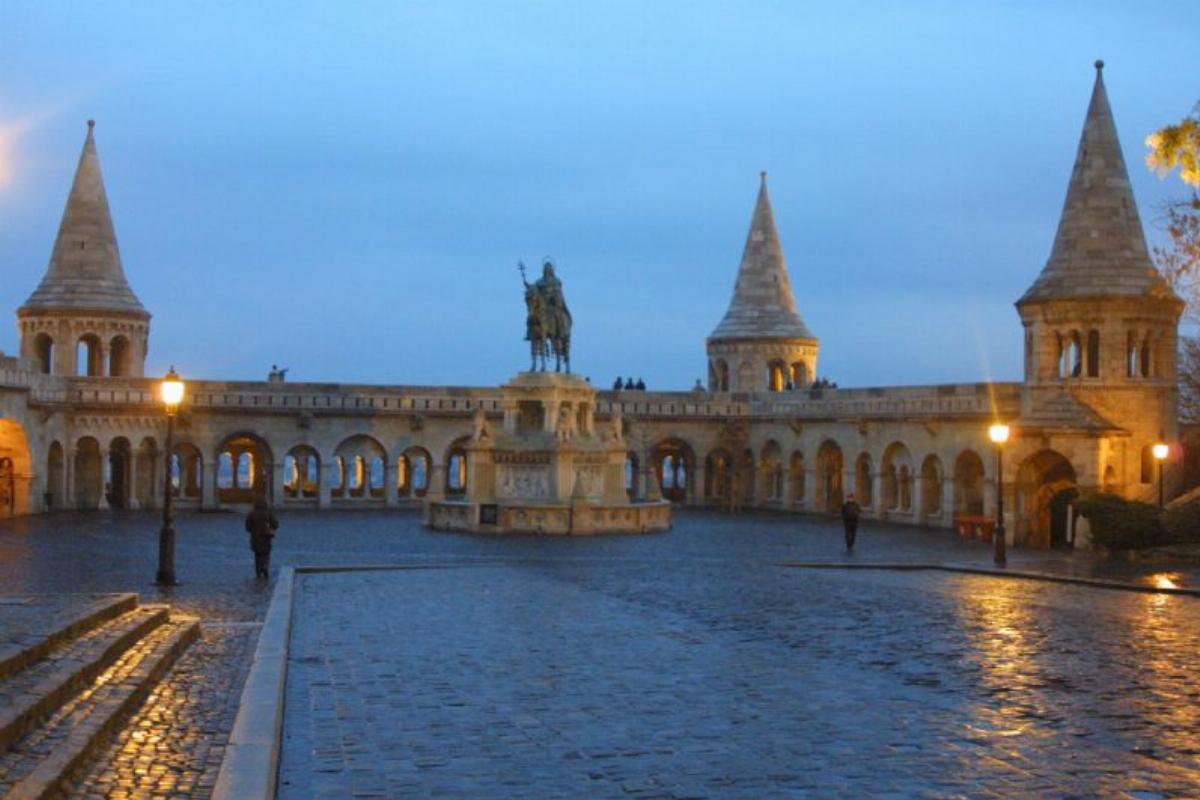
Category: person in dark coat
<point>261,524</point>
<point>850,512</point>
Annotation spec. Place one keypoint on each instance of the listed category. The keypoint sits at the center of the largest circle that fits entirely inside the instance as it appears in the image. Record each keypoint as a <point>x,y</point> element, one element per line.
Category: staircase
<point>65,690</point>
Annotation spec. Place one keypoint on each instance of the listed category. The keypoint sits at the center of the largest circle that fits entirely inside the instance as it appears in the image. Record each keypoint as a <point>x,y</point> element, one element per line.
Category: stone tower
<point>1100,321</point>
<point>762,343</point>
<point>83,319</point>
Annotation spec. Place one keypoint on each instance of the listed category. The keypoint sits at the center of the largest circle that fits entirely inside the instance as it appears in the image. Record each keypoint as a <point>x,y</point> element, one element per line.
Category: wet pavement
<point>684,664</point>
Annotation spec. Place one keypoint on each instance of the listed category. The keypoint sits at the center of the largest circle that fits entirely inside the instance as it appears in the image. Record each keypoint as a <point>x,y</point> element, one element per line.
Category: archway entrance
<point>829,477</point>
<point>1046,490</point>
<point>245,467</point>
<point>16,471</point>
<point>673,464</point>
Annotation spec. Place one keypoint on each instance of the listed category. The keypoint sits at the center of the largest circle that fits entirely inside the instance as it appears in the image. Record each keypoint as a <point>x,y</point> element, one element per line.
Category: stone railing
<point>947,400</point>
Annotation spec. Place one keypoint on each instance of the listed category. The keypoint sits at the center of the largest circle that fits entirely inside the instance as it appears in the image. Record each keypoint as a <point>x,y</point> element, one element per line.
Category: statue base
<point>546,469</point>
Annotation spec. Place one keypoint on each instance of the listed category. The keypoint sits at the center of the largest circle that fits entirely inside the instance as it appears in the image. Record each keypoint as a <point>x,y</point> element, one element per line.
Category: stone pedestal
<point>546,468</point>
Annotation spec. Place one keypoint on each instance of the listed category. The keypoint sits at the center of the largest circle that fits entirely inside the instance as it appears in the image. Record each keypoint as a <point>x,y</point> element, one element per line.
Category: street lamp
<point>171,393</point>
<point>1160,451</point>
<point>998,433</point>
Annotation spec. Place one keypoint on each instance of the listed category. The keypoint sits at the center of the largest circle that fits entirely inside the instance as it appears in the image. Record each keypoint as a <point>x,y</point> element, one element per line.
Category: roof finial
<point>91,124</point>
<point>763,175</point>
<point>1099,64</point>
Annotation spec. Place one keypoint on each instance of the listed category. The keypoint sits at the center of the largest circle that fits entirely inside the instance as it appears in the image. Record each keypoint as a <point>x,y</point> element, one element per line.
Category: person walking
<point>850,512</point>
<point>261,524</point>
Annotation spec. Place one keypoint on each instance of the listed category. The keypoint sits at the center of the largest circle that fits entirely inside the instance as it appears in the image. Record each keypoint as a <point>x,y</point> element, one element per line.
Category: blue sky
<point>346,188</point>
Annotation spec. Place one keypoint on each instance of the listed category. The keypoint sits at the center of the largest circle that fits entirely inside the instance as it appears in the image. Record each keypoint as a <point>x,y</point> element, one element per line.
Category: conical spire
<point>763,304</point>
<point>85,266</point>
<point>1100,249</point>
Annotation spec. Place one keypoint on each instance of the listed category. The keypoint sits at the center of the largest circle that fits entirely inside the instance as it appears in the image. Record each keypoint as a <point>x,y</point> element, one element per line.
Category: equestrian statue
<point>547,320</point>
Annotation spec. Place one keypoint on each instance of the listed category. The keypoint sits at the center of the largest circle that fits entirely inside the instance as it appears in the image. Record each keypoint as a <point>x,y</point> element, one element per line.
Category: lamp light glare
<point>998,433</point>
<point>172,390</point>
<point>1160,451</point>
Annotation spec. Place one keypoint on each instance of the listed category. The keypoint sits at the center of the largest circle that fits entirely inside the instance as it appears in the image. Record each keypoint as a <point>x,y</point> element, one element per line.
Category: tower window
<point>1093,354</point>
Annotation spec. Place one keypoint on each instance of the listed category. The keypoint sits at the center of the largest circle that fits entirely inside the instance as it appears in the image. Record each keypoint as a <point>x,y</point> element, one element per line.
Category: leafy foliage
<point>1177,146</point>
<point>1181,524</point>
<point>1120,524</point>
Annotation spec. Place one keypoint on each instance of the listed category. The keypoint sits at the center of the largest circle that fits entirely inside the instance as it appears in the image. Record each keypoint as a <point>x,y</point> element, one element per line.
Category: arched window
<point>668,472</point>
<point>119,358</point>
<point>1075,355</point>
<point>225,470</point>
<point>291,475</point>
<point>1060,357</point>
<point>1131,355</point>
<point>800,375</point>
<point>776,376</point>
<point>245,471</point>
<point>89,361</point>
<point>43,347</point>
<point>376,480</point>
<point>1147,464</point>
<point>1093,354</point>
<point>1144,357</point>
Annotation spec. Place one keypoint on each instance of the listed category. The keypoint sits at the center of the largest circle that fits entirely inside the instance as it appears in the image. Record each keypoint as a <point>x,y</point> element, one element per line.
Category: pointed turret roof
<point>763,304</point>
<point>85,266</point>
<point>1100,249</point>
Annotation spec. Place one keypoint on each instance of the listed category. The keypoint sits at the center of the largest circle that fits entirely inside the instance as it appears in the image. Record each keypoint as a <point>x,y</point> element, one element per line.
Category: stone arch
<point>187,471</point>
<point>1046,487</point>
<point>829,477</point>
<point>896,478</point>
<point>302,473</point>
<point>251,464</point>
<point>16,470</point>
<point>718,476</point>
<point>56,474</point>
<point>674,464</point>
<point>89,473</point>
<point>43,349</point>
<point>415,473</point>
<point>456,466</point>
<point>770,467</point>
<point>89,356</point>
<point>968,483</point>
<point>796,478</point>
<point>361,458</point>
<point>120,357</point>
<point>1110,480</point>
<point>863,477</point>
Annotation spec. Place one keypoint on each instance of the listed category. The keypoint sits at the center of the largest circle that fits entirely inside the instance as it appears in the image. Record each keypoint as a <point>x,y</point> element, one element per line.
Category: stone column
<point>276,486</point>
<point>877,495</point>
<point>437,482</point>
<point>696,484</point>
<point>948,499</point>
<point>131,479</point>
<point>208,486</point>
<point>391,489</point>
<point>104,485</point>
<point>326,472</point>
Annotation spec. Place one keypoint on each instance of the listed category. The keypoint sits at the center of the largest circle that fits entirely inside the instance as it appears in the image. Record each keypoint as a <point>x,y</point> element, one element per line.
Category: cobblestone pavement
<point>701,678</point>
<point>673,589</point>
<point>173,746</point>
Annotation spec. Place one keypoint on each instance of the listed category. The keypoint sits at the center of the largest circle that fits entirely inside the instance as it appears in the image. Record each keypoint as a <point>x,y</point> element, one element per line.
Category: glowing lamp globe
<point>1160,451</point>
<point>998,433</point>
<point>172,390</point>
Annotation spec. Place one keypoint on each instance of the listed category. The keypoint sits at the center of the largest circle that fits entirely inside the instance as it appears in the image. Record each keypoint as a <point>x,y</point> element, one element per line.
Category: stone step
<point>30,695</point>
<point>43,625</point>
<point>39,764</point>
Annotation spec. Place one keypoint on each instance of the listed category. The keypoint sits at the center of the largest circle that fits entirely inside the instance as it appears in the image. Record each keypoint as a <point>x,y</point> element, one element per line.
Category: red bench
<point>975,526</point>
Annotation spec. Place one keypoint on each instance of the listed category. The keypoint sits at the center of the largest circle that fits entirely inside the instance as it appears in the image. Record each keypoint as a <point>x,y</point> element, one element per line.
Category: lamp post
<point>171,392</point>
<point>1160,451</point>
<point>998,433</point>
